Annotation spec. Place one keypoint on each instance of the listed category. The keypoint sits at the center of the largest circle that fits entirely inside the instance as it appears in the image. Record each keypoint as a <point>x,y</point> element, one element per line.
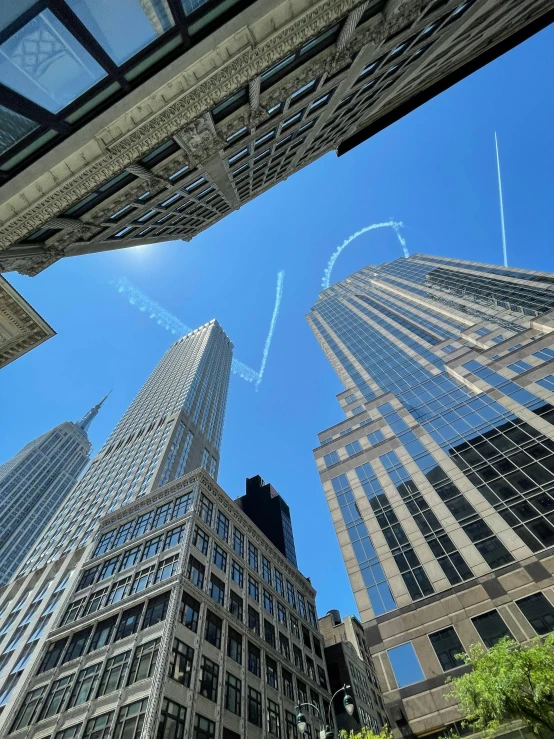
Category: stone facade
<point>277,86</point>
<point>21,327</point>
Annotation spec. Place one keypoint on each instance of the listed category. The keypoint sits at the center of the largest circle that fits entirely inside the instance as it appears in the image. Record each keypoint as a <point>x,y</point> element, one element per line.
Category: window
<point>214,626</point>
<point>120,590</point>
<point>284,646</point>
<point>73,611</point>
<point>491,628</point>
<point>108,568</point>
<point>290,594</point>
<point>144,661</point>
<point>206,509</point>
<point>182,505</point>
<point>217,589</point>
<point>254,707</point>
<point>237,573</point>
<point>130,720</point>
<point>222,525</point>
<point>281,613</point>
<point>220,557</point>
<point>99,727</point>
<point>236,605</point>
<point>57,696</point>
<point>129,622</point>
<point>322,680</point>
<point>273,718</point>
<point>189,612</point>
<point>77,645</point>
<point>271,673</point>
<point>253,620</point>
<point>375,437</point>
<point>228,734</point>
<point>234,645</point>
<point>306,637</point>
<point>204,728</point>
<point>266,569</point>
<point>317,647</point>
<point>195,572</point>
<point>152,547</point>
<point>331,459</point>
<point>253,588</point>
<point>238,542</point>
<point>268,601</point>
<point>85,685</point>
<point>447,645</point>
<point>310,668</point>
<point>114,674</point>
<point>68,733</point>
<point>209,675</point>
<point>538,611</point>
<point>353,448</point>
<point>143,579</point>
<point>180,666</point>
<point>88,577</point>
<point>252,556</point>
<point>97,601</point>
<point>254,660</point>
<point>53,655</point>
<point>201,540</point>
<point>233,695</point>
<point>104,543</point>
<point>156,610</point>
<point>174,536</point>
<point>167,568</point>
<point>143,524</point>
<point>291,731</point>
<point>29,708</point>
<point>288,687</point>
<point>172,720</point>
<point>279,582</point>
<point>298,657</point>
<point>294,626</point>
<point>123,534</point>
<point>102,633</point>
<point>129,558</point>
<point>405,664</point>
<point>269,633</point>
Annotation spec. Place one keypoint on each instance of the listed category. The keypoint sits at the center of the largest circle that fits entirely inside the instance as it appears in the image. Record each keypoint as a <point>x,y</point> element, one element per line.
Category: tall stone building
<point>349,663</point>
<point>440,481</point>
<point>173,426</point>
<point>35,483</point>
<point>183,621</point>
<point>110,140</point>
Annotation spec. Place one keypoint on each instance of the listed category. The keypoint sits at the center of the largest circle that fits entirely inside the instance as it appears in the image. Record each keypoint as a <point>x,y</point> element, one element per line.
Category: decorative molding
<point>191,105</point>
<point>21,328</point>
<point>200,139</point>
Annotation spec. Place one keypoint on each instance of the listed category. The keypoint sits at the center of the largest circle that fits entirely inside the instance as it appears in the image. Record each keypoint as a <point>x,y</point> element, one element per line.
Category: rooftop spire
<point>89,417</point>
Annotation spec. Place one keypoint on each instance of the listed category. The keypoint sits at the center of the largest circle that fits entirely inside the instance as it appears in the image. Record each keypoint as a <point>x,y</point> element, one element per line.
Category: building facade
<point>173,426</point>
<point>183,621</point>
<point>349,663</point>
<point>265,507</point>
<point>440,481</point>
<point>107,142</point>
<point>21,327</point>
<point>35,483</point>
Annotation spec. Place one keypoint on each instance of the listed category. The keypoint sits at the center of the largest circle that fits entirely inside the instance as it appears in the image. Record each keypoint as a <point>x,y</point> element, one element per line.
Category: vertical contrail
<point>395,225</point>
<point>501,202</point>
<point>278,297</point>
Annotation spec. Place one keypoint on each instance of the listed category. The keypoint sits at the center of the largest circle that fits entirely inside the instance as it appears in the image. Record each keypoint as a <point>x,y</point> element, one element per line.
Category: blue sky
<point>435,170</point>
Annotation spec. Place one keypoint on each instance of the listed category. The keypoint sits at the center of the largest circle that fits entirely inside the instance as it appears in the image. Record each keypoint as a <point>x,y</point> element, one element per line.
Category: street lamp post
<point>325,731</point>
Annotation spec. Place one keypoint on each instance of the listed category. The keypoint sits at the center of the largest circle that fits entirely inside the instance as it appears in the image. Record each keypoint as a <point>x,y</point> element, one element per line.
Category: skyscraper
<point>173,426</point>
<point>34,484</point>
<point>109,141</point>
<point>263,504</point>
<point>440,481</point>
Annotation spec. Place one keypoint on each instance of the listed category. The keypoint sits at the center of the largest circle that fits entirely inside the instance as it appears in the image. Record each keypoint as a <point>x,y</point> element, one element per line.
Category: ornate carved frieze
<point>21,328</point>
<point>189,107</point>
<point>200,139</point>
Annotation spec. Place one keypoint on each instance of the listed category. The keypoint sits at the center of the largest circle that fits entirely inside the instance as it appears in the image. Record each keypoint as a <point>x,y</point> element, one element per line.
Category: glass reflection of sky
<point>13,128</point>
<point>43,62</point>
<point>123,27</point>
<point>405,664</point>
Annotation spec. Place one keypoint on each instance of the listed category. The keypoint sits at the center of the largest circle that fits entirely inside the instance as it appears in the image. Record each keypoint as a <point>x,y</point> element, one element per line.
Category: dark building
<point>265,507</point>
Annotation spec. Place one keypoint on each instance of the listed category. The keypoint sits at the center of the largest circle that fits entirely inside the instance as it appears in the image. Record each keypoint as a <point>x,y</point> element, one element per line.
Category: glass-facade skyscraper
<point>173,426</point>
<point>34,484</point>
<point>440,481</point>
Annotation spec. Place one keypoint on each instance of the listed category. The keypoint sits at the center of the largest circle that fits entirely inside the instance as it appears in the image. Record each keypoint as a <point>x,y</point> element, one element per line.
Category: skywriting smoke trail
<point>171,323</point>
<point>501,203</point>
<point>278,298</point>
<point>395,225</point>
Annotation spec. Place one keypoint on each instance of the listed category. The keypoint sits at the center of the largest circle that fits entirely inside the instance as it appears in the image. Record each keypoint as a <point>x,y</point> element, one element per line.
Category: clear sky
<point>435,170</point>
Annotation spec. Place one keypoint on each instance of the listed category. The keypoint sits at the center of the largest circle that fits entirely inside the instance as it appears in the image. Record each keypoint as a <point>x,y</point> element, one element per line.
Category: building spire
<point>89,417</point>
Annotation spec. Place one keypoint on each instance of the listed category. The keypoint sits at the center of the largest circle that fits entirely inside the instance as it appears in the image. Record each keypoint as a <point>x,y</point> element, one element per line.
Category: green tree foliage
<point>508,682</point>
<point>366,733</point>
